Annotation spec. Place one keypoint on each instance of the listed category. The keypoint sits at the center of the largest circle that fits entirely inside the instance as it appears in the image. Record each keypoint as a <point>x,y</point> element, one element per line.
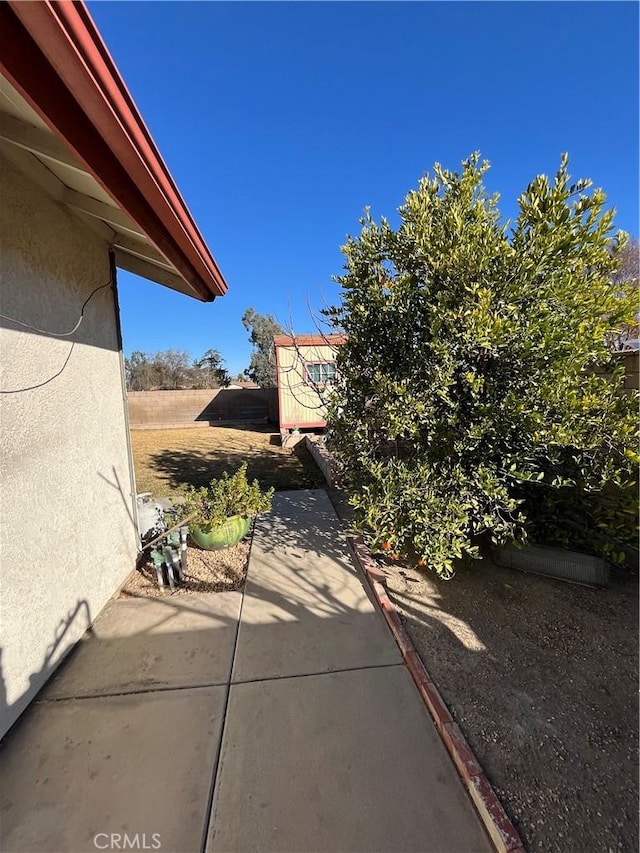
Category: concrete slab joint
<point>500,829</point>
<point>278,719</point>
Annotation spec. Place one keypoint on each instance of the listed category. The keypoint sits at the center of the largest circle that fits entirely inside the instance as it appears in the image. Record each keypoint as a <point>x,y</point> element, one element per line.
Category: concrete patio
<point>281,719</point>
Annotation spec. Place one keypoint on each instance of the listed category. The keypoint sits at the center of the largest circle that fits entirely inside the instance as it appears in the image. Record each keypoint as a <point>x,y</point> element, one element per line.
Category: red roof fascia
<point>308,340</point>
<point>54,55</point>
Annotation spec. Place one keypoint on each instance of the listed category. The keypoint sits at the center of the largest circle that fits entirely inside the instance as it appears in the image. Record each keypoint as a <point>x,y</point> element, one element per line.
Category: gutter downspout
<point>125,405</point>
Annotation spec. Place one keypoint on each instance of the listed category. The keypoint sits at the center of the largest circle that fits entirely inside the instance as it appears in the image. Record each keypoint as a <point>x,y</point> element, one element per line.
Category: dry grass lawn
<point>165,459</point>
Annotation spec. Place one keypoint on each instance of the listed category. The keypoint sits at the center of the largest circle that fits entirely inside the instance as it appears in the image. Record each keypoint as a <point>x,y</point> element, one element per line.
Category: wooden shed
<point>305,366</point>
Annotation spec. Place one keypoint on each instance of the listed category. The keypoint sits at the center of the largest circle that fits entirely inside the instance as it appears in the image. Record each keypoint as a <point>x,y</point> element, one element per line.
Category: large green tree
<point>471,384</point>
<point>262,328</point>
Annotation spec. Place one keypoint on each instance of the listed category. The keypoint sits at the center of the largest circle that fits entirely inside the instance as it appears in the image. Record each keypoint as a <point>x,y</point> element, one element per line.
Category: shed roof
<point>67,118</point>
<point>308,340</point>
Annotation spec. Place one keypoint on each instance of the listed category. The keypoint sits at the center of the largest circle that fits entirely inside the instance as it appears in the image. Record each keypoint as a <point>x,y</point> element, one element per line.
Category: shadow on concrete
<point>287,528</point>
<point>126,735</point>
<point>10,711</point>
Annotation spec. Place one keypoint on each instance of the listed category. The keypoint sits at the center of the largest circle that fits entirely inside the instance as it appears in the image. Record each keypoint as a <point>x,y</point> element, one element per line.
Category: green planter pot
<point>224,536</point>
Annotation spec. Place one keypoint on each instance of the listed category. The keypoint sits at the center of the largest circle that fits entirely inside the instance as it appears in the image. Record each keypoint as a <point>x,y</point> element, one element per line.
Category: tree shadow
<point>110,696</point>
<point>238,404</point>
<point>527,665</point>
<point>53,657</point>
<point>271,468</point>
<point>157,648</point>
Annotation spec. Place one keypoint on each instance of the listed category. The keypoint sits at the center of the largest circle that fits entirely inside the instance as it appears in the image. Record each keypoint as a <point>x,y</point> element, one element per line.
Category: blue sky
<point>281,121</point>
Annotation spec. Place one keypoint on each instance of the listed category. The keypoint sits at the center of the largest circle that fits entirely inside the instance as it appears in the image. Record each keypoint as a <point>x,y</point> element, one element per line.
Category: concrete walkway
<point>281,720</point>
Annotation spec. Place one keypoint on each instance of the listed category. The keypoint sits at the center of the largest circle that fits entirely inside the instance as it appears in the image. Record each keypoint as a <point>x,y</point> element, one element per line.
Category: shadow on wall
<point>28,320</point>
<point>213,405</point>
<point>90,332</point>
<point>79,618</point>
<point>241,404</point>
<point>127,500</point>
<point>9,712</point>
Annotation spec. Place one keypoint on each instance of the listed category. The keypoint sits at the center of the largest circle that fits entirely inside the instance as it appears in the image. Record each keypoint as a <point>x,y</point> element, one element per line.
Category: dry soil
<point>542,677</point>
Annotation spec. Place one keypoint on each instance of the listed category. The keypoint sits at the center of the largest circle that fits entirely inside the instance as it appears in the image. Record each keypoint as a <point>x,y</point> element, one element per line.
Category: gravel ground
<point>542,677</point>
<point>207,571</point>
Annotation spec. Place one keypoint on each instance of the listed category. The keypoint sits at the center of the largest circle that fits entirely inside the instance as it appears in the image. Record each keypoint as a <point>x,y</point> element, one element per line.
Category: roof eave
<point>332,339</point>
<point>53,54</point>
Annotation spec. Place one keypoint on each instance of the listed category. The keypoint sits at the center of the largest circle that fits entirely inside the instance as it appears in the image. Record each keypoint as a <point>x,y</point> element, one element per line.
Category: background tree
<point>209,371</point>
<point>467,411</point>
<point>139,371</point>
<point>169,369</point>
<point>174,369</point>
<point>263,327</point>
<point>627,275</point>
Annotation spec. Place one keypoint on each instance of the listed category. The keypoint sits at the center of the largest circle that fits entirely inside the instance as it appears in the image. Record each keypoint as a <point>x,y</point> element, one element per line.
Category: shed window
<point>321,373</point>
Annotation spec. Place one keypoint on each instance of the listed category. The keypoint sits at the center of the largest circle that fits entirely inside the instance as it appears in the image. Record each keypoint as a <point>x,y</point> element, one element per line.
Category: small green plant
<point>231,494</point>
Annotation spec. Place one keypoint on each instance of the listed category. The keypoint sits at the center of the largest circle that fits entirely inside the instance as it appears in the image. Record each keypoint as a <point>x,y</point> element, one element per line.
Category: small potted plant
<point>221,513</point>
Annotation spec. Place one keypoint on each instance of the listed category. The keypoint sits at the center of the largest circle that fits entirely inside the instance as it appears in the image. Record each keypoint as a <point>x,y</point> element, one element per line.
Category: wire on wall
<point>53,335</point>
<point>46,381</point>
<point>59,334</point>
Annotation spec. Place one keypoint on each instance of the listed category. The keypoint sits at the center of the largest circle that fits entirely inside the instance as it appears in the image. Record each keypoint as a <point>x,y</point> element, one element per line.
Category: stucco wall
<point>68,534</point>
<point>300,403</point>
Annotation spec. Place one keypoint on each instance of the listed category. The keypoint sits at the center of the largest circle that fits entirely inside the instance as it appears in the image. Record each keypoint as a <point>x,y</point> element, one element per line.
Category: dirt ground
<point>542,677</point>
<point>167,458</point>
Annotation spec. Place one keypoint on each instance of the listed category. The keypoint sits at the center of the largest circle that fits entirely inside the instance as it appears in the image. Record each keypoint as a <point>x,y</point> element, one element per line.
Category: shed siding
<point>69,531</point>
<point>300,403</point>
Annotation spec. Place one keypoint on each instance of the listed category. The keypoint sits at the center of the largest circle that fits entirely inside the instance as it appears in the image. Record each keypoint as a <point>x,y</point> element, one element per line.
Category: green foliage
<point>229,495</point>
<point>627,275</point>
<point>263,327</point>
<point>603,522</point>
<point>209,371</point>
<point>474,360</point>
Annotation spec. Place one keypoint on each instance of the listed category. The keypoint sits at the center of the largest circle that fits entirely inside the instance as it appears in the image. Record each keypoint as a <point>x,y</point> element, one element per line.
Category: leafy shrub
<point>473,365</point>
<point>231,494</point>
<point>601,522</point>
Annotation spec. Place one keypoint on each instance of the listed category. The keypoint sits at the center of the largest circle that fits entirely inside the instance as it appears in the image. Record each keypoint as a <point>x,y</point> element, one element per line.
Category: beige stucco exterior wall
<point>68,533</point>
<point>300,403</point>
